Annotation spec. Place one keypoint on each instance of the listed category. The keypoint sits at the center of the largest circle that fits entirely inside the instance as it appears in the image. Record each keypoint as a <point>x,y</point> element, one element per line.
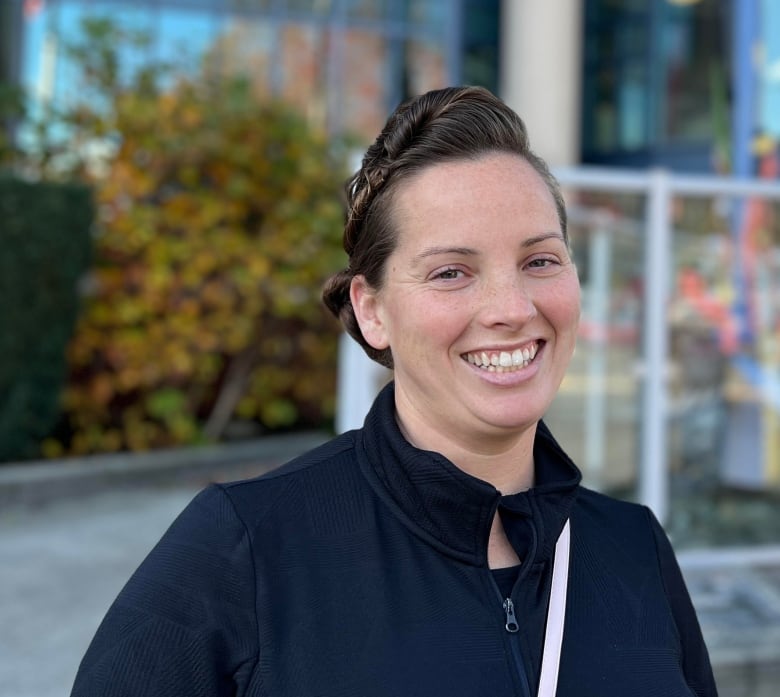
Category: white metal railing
<point>359,376</point>
<point>659,187</point>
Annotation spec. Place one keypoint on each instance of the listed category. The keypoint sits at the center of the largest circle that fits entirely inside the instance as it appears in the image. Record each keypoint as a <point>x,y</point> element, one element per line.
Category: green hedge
<point>44,251</point>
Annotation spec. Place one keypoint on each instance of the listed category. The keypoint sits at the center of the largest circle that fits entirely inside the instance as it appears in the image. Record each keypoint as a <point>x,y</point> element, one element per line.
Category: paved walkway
<point>61,567</point>
<point>738,604</point>
<point>63,561</point>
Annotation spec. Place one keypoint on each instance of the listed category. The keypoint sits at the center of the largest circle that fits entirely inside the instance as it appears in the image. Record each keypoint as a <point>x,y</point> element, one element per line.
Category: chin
<point>503,423</point>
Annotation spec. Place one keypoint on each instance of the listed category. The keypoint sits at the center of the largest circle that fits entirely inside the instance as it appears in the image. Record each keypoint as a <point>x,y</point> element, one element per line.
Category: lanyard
<point>556,613</point>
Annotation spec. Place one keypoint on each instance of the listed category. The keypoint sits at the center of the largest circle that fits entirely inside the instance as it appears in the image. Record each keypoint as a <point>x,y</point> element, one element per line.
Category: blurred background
<point>170,204</point>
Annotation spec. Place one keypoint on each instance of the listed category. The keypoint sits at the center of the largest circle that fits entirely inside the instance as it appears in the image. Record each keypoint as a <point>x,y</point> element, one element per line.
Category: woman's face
<point>480,301</point>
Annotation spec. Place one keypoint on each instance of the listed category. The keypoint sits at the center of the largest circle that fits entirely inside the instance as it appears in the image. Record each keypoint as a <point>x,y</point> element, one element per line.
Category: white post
<point>653,474</point>
<point>540,76</point>
<point>598,303</point>
<point>359,379</point>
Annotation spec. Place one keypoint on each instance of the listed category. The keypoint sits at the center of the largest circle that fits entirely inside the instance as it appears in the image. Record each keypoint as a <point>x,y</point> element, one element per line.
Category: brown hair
<point>456,123</point>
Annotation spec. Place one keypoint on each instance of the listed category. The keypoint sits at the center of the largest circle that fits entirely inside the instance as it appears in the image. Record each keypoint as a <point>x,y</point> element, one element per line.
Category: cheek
<point>420,324</point>
<point>563,305</point>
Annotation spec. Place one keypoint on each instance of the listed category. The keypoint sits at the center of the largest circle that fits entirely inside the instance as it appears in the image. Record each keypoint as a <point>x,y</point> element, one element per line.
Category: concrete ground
<point>62,565</point>
<point>63,558</point>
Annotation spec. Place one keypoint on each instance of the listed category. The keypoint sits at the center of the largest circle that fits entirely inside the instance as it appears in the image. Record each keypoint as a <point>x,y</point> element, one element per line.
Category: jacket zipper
<point>512,626</point>
<point>511,621</point>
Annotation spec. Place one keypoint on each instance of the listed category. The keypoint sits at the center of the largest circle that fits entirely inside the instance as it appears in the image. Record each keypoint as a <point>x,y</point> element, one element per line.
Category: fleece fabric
<point>360,570</point>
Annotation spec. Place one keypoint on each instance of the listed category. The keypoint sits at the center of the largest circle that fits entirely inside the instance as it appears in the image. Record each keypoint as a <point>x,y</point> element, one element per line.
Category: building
<point>345,61</point>
<point>635,83</point>
<point>622,83</point>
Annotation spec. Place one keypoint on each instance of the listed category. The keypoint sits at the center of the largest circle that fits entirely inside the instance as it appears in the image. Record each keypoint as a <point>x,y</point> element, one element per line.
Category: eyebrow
<point>468,251</point>
<point>434,251</point>
<point>531,241</point>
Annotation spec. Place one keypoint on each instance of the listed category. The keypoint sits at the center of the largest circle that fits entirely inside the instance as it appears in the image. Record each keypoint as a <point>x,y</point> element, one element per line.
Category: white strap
<point>556,613</point>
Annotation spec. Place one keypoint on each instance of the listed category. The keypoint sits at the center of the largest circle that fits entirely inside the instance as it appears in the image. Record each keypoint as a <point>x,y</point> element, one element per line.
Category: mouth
<point>503,361</point>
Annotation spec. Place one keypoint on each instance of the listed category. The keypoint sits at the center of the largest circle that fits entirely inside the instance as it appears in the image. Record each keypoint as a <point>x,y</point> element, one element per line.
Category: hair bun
<point>335,293</point>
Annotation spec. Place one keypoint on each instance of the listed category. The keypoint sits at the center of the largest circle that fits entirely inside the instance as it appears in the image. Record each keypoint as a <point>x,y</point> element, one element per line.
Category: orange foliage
<point>220,217</point>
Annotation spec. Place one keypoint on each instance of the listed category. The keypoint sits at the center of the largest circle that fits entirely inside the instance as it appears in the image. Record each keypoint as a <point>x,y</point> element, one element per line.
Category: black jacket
<point>360,570</point>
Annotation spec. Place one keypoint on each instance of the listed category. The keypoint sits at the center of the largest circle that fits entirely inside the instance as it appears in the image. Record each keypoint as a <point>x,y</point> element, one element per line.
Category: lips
<point>503,361</point>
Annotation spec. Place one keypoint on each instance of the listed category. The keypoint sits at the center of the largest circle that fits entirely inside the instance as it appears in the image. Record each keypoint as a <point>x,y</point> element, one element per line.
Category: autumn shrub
<point>219,219</point>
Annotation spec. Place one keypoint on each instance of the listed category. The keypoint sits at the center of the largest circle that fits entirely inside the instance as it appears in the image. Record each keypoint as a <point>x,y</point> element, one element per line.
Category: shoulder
<point>613,526</point>
<point>220,528</point>
<point>331,457</point>
<point>598,506</point>
<point>326,472</point>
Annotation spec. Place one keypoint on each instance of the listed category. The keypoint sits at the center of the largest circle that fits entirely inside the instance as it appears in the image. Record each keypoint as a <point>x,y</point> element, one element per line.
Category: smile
<point>503,361</point>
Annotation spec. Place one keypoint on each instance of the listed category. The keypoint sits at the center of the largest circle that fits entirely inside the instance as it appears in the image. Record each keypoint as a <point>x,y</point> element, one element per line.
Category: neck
<point>505,460</point>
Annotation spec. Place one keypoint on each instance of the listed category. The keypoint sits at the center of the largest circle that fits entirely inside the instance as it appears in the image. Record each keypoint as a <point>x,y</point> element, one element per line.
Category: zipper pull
<point>511,621</point>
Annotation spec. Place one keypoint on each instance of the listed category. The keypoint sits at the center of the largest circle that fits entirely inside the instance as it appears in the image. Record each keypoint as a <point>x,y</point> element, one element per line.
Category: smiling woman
<point>447,547</point>
<point>480,273</point>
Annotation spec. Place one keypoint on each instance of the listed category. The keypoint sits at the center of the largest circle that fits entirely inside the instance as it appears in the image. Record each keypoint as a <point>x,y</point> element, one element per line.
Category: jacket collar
<point>452,510</point>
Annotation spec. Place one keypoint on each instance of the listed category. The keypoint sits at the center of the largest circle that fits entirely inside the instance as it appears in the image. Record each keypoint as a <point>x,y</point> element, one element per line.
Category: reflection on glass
<point>725,394</point>
<point>315,7</point>
<point>481,40</point>
<point>367,9</point>
<point>694,51</point>
<point>596,411</point>
<point>654,77</point>
<point>362,107</point>
<point>249,5</point>
<point>246,46</point>
<point>184,36</point>
<point>302,62</point>
<point>722,377</point>
<point>429,15</point>
<point>425,66</point>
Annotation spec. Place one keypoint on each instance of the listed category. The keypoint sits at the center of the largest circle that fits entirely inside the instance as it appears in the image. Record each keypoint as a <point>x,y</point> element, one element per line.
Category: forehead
<point>500,189</point>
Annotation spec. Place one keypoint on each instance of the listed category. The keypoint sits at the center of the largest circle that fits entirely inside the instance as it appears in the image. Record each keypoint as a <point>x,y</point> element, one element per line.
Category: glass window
<point>694,50</point>
<point>33,52</point>
<point>616,79</point>
<point>249,6</point>
<point>425,67</point>
<point>346,63</point>
<point>722,376</point>
<point>183,36</point>
<point>246,46</point>
<point>428,15</point>
<point>654,76</point>
<point>303,58</point>
<point>724,445</point>
<point>596,413</point>
<point>367,9</point>
<point>311,7</point>
<point>481,58</point>
<point>366,85</point>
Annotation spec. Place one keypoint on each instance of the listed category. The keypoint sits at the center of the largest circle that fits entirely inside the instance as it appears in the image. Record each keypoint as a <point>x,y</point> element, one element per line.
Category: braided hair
<point>456,123</point>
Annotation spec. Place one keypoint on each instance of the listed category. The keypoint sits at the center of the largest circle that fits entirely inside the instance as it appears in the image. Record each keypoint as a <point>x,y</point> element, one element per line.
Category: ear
<point>367,305</point>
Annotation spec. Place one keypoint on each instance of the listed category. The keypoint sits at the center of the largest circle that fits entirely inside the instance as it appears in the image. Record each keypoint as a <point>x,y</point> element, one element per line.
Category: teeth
<point>503,361</point>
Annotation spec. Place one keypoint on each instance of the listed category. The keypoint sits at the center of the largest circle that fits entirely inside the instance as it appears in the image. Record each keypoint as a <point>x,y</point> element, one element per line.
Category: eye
<point>543,263</point>
<point>448,274</point>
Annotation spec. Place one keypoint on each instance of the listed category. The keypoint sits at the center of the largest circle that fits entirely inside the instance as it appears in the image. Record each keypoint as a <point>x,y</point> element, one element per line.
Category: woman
<point>447,547</point>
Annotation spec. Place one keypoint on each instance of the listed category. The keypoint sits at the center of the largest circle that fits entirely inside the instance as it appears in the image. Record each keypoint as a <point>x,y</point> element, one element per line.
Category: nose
<point>507,301</point>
